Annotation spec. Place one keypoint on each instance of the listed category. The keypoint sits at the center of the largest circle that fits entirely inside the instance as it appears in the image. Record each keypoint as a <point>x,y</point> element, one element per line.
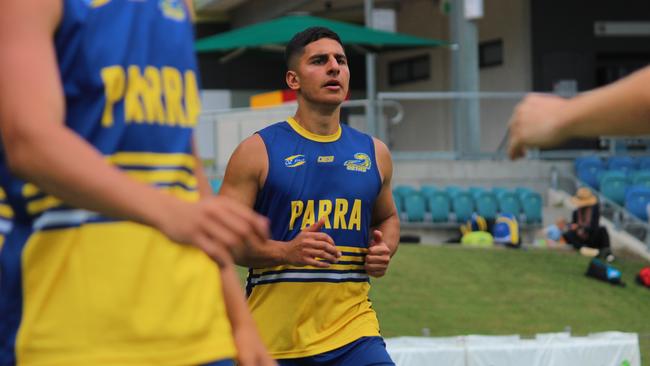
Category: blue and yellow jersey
<point>80,288</point>
<point>6,216</point>
<point>303,311</point>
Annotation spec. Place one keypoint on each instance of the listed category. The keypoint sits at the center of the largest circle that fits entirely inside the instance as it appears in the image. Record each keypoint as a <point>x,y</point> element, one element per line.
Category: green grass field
<point>454,290</point>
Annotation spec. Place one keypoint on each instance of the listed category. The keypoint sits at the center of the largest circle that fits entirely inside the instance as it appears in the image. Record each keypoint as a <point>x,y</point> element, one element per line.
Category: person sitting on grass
<point>585,230</point>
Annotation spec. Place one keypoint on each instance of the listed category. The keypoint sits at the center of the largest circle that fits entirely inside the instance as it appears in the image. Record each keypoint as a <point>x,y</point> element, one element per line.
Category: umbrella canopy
<point>278,32</point>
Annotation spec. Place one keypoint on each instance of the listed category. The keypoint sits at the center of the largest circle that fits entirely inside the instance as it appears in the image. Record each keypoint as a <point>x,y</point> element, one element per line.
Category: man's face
<point>321,72</point>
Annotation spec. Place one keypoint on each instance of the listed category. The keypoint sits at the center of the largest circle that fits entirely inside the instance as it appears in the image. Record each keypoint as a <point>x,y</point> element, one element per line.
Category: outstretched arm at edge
<point>621,108</point>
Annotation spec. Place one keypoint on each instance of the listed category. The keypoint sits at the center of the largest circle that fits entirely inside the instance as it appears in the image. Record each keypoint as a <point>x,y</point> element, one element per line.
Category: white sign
<point>384,19</point>
<point>473,9</point>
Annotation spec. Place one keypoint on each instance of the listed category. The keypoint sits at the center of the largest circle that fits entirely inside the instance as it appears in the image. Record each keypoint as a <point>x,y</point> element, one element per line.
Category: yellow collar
<point>312,136</point>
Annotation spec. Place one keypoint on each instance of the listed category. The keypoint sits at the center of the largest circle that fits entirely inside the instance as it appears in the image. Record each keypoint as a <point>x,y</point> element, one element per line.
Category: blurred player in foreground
<point>110,259</point>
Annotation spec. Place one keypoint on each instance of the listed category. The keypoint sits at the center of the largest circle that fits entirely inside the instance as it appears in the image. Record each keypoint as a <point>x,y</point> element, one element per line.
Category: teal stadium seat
<point>415,208</point>
<point>404,190</point>
<point>622,163</point>
<point>588,169</point>
<point>521,191</point>
<point>426,190</point>
<point>476,191</point>
<point>643,163</point>
<point>637,199</point>
<point>439,206</point>
<point>487,205</point>
<point>498,191</point>
<point>531,203</point>
<point>399,203</point>
<point>613,184</point>
<point>452,191</point>
<point>215,184</point>
<point>509,204</point>
<point>463,206</point>
<point>640,178</point>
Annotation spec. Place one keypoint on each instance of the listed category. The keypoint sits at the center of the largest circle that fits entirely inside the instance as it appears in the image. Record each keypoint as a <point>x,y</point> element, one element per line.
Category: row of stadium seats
<point>623,180</point>
<point>454,204</point>
<point>591,169</point>
<point>630,190</point>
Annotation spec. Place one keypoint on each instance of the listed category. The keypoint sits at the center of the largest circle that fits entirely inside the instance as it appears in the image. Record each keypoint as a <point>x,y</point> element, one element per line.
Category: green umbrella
<point>278,32</point>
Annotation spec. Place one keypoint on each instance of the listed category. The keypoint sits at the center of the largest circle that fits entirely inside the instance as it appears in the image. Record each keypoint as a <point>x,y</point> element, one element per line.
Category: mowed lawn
<point>454,290</point>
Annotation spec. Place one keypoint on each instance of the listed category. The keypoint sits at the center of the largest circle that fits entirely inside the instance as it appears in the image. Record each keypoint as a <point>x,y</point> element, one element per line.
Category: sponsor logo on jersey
<point>173,9</point>
<point>294,161</point>
<point>326,159</point>
<point>360,163</point>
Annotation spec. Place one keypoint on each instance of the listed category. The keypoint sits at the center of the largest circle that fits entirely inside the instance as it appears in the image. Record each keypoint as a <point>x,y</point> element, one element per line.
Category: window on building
<point>410,69</point>
<point>490,53</point>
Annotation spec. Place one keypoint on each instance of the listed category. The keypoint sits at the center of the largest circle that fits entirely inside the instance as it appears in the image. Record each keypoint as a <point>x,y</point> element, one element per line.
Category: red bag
<point>644,276</point>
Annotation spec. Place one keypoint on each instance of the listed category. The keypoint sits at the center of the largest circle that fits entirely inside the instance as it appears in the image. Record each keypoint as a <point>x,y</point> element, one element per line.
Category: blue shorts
<point>221,363</point>
<point>366,351</point>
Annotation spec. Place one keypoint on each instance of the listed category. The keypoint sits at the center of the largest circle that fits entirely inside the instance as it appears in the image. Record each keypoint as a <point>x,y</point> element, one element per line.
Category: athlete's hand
<point>311,245</point>
<point>378,256</point>
<point>250,349</point>
<point>536,122</point>
<point>215,225</point>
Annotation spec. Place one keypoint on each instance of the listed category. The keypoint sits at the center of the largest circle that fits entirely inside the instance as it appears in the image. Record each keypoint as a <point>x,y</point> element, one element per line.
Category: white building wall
<point>428,125</point>
<point>508,20</point>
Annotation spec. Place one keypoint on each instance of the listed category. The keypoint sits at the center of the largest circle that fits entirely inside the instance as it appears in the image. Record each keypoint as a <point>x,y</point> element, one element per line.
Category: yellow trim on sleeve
<point>6,211</point>
<point>42,204</point>
<point>30,190</point>
<point>313,136</point>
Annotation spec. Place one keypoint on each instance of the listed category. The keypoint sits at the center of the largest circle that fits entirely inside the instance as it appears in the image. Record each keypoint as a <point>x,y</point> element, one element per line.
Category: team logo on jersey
<point>360,163</point>
<point>173,9</point>
<point>96,3</point>
<point>326,159</point>
<point>294,161</point>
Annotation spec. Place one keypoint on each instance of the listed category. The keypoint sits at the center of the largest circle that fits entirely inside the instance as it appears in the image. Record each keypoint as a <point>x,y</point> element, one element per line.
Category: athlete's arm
<point>621,108</point>
<point>41,149</point>
<point>385,221</point>
<point>250,349</point>
<point>245,176</point>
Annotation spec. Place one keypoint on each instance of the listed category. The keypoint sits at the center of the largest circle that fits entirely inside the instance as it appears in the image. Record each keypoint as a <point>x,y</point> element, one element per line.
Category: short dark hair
<point>301,39</point>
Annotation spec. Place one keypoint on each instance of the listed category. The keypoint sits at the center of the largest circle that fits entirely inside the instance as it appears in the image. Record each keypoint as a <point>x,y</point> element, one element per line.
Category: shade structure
<point>278,32</point>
